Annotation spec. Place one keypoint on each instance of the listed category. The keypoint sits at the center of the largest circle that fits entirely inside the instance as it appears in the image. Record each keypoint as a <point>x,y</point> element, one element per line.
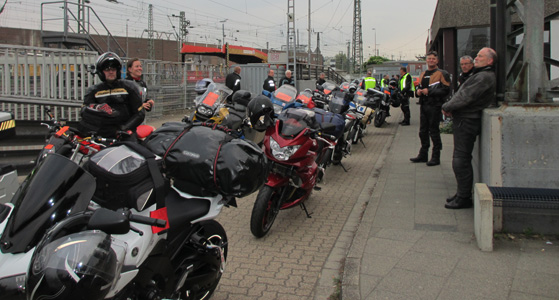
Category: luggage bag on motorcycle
<point>323,117</point>
<point>206,161</point>
<point>125,177</point>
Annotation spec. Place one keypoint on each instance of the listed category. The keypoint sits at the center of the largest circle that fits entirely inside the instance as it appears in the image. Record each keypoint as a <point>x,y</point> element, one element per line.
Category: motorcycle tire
<point>379,119</point>
<point>264,211</point>
<point>203,271</point>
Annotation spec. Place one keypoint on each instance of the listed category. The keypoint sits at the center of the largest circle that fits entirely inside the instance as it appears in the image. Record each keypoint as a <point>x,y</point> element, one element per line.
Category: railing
<point>79,22</point>
<point>32,78</point>
<point>44,73</point>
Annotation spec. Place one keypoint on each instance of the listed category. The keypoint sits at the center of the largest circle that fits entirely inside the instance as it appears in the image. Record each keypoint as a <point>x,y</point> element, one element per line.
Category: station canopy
<point>238,54</point>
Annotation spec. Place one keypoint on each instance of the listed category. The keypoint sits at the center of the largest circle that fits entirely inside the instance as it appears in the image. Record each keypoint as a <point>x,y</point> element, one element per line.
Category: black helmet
<point>242,97</point>
<point>108,59</point>
<point>352,88</point>
<point>261,112</point>
<point>82,265</point>
<point>393,82</point>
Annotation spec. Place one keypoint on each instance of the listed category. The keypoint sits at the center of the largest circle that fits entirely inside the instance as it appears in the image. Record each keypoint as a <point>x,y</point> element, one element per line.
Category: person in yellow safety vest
<point>384,82</point>
<point>407,89</point>
<point>369,82</point>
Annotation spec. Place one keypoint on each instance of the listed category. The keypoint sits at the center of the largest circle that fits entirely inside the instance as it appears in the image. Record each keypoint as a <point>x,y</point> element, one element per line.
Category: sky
<point>400,26</point>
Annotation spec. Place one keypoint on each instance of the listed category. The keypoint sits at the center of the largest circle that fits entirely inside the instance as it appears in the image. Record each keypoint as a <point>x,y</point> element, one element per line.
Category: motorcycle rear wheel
<point>204,273</point>
<point>264,211</point>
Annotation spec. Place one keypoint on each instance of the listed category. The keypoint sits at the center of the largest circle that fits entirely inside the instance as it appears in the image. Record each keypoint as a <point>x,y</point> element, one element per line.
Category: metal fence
<point>32,78</point>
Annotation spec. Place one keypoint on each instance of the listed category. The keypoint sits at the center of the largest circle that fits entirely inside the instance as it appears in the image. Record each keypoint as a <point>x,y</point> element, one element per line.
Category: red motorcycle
<point>298,148</point>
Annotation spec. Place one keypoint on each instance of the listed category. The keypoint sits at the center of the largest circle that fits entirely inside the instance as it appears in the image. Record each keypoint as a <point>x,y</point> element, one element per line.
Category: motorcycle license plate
<point>361,109</point>
<point>282,170</point>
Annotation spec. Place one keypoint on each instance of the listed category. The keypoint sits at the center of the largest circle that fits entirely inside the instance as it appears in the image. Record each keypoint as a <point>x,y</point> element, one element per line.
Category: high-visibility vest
<point>370,83</point>
<point>383,83</point>
<point>403,83</point>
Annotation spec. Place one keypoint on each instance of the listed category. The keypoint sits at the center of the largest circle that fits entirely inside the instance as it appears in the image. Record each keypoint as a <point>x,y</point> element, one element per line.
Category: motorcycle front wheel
<point>264,211</point>
<point>200,272</point>
<point>379,118</point>
<point>354,134</point>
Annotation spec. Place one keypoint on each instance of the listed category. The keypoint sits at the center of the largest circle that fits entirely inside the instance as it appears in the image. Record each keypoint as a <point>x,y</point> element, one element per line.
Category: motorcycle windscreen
<point>55,189</point>
<point>338,104</point>
<point>285,94</point>
<point>328,87</point>
<point>296,120</point>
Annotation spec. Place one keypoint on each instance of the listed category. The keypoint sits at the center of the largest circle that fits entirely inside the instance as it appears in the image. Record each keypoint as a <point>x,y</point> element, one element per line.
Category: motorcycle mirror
<point>109,221</point>
<point>91,69</point>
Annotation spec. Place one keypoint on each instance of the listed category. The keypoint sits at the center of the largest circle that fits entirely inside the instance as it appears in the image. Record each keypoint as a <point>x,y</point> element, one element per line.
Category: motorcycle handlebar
<point>147,220</point>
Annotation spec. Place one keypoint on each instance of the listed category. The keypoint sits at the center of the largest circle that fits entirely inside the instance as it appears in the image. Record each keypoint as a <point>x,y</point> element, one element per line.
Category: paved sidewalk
<point>408,246</point>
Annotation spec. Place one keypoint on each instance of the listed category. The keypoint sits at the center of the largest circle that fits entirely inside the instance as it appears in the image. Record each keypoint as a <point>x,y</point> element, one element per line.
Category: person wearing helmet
<point>260,111</point>
<point>134,72</point>
<point>114,104</point>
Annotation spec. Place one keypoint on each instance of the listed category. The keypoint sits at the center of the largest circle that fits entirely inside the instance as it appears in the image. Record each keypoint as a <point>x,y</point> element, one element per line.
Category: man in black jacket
<point>406,89</point>
<point>434,87</point>
<point>467,66</point>
<point>233,80</point>
<point>269,82</point>
<point>288,79</point>
<point>465,108</point>
<point>321,80</point>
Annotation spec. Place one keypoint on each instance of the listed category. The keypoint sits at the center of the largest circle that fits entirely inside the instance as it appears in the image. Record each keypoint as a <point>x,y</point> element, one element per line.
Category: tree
<point>376,60</point>
<point>341,61</point>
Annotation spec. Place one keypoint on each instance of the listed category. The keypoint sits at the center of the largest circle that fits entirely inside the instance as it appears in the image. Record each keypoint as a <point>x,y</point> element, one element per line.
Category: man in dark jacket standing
<point>269,82</point>
<point>465,107</point>
<point>233,80</point>
<point>434,87</point>
<point>406,89</point>
<point>288,79</point>
<point>467,66</point>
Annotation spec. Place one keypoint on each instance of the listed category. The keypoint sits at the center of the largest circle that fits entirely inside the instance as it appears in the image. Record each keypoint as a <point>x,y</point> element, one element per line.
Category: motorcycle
<point>382,105</point>
<point>210,107</point>
<point>363,109</point>
<point>339,104</point>
<point>297,148</point>
<point>282,98</point>
<point>58,243</point>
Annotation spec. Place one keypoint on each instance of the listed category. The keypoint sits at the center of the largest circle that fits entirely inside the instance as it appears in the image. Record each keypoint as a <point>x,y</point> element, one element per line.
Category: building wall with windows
<point>462,28</point>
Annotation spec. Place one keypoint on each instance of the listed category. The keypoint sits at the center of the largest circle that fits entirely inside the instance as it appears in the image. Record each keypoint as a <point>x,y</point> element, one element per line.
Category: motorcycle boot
<point>450,199</point>
<point>459,203</point>
<point>435,158</point>
<point>421,157</point>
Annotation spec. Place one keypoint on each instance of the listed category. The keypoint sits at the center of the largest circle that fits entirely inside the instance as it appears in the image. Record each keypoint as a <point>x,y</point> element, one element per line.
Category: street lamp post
<point>375,41</point>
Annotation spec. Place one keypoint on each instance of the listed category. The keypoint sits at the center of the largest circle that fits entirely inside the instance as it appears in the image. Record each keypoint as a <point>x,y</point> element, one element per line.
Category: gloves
<point>102,107</point>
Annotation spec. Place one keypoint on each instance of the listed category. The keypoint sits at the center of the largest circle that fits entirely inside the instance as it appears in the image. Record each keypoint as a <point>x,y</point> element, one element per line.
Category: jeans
<point>465,131</point>
<point>429,119</point>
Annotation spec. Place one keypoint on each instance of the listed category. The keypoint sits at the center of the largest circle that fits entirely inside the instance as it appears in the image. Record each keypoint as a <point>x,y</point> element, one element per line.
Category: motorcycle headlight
<point>277,109</point>
<point>282,153</point>
<point>204,111</point>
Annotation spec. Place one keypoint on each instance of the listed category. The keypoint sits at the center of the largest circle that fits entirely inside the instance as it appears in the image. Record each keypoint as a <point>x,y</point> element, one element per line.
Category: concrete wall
<point>518,147</point>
